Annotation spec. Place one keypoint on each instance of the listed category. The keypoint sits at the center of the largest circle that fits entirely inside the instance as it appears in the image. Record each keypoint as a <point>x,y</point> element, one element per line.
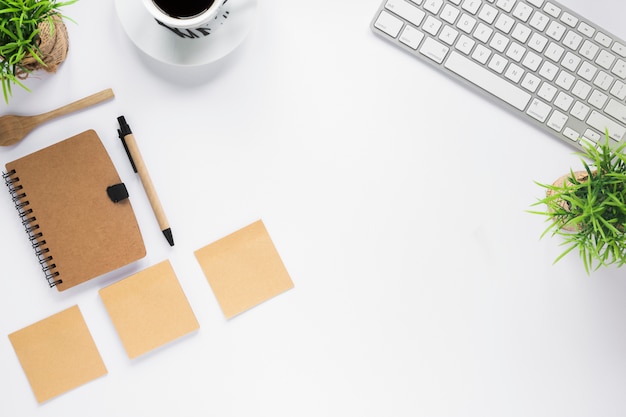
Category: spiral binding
<point>32,228</point>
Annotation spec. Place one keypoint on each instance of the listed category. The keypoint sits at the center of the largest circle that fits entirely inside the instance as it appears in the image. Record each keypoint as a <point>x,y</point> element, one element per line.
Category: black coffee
<point>183,8</point>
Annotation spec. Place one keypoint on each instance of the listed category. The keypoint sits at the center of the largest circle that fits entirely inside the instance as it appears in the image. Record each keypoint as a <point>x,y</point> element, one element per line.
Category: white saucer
<point>226,32</point>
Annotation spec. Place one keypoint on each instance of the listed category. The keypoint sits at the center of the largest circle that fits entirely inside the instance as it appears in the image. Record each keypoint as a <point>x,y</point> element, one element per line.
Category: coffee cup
<point>183,14</point>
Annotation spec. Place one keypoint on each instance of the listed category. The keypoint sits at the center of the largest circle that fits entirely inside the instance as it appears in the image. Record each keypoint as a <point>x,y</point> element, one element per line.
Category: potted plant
<point>32,37</point>
<point>587,208</point>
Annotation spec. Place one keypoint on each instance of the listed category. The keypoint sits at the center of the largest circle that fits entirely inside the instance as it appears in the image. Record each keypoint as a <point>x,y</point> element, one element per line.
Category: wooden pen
<point>128,139</point>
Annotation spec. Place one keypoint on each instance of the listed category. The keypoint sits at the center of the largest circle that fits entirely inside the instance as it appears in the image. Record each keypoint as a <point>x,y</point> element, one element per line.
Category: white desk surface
<point>396,198</point>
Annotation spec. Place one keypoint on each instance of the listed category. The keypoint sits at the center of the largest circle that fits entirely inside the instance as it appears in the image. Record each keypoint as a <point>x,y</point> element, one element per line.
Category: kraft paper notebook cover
<point>62,195</point>
<point>149,309</point>
<point>244,269</point>
<point>58,354</point>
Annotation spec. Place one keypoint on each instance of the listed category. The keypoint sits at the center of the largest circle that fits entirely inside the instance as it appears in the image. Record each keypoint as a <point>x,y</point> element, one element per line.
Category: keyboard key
<point>603,39</point>
<point>552,9</point>
<point>514,73</point>
<point>434,50</point>
<point>504,23</point>
<point>406,11</point>
<point>619,49</point>
<point>569,20</point>
<point>589,50</point>
<point>581,90</point>
<point>465,44</point>
<point>466,23</point>
<point>516,52</point>
<point>587,71</point>
<point>602,123</point>
<point>565,80</point>
<point>586,29</point>
<point>555,30</point>
<point>572,40</point>
<point>522,11</point>
<point>619,90</point>
<point>603,80</point>
<point>471,6</point>
<point>563,101</point>
<point>597,99</point>
<point>547,92</point>
<point>389,24</point>
<point>433,6</point>
<point>530,82</point>
<point>537,42</point>
<point>571,61</point>
<point>605,59</point>
<point>488,81</point>
<point>498,63</point>
<point>592,135</point>
<point>554,52</point>
<point>557,121</point>
<point>536,3</point>
<point>580,110</point>
<point>483,32</point>
<point>506,5</point>
<point>411,36</point>
<point>432,25</point>
<point>521,33</point>
<point>499,42</point>
<point>481,54</point>
<point>539,110</point>
<point>617,110</point>
<point>619,69</point>
<point>539,21</point>
<point>450,14</point>
<point>532,61</point>
<point>448,35</point>
<point>571,134</point>
<point>548,70</point>
<point>488,14</point>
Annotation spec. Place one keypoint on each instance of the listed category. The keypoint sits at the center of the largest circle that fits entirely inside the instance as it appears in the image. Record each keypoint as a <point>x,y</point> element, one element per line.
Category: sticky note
<point>244,269</point>
<point>58,354</point>
<point>149,309</point>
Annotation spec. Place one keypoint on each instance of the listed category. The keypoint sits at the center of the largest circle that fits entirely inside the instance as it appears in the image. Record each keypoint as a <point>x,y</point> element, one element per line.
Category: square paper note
<point>244,269</point>
<point>58,354</point>
<point>149,309</point>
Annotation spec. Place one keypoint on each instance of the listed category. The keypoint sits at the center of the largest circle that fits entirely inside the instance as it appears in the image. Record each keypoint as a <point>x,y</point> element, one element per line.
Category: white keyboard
<point>550,65</point>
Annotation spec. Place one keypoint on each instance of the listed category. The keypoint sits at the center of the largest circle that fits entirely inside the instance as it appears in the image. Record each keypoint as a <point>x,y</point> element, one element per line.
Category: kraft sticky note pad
<point>244,269</point>
<point>149,309</point>
<point>58,354</point>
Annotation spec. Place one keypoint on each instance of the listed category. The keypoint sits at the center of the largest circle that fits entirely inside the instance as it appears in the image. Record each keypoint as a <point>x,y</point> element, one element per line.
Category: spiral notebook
<point>75,209</point>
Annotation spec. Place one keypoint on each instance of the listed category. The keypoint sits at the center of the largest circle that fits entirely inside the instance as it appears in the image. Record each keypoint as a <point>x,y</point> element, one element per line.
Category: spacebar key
<point>487,80</point>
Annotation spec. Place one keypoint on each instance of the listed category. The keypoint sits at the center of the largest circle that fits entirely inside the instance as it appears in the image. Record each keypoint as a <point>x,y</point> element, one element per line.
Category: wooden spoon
<point>14,128</point>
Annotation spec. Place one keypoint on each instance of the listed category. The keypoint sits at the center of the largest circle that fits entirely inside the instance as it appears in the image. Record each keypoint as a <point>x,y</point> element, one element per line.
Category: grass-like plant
<point>19,36</point>
<point>588,208</point>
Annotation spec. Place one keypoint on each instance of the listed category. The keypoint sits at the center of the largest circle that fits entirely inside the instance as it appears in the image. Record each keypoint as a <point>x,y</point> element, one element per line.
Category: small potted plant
<point>587,208</point>
<point>32,37</point>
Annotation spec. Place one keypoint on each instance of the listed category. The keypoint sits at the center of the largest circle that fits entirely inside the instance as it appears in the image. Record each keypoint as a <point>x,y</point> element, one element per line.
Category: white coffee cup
<point>159,10</point>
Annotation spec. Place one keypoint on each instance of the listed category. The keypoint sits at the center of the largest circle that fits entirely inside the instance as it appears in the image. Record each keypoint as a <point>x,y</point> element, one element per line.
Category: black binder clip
<point>117,192</point>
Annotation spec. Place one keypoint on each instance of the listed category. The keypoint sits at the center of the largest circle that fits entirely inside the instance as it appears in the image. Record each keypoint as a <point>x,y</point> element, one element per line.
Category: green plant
<point>590,212</point>
<point>19,36</point>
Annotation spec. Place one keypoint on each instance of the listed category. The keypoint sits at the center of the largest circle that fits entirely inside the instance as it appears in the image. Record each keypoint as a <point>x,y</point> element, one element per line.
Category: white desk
<point>421,285</point>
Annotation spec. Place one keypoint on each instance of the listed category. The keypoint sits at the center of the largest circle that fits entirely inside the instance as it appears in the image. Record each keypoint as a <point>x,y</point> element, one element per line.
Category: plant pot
<point>53,46</point>
<point>580,176</point>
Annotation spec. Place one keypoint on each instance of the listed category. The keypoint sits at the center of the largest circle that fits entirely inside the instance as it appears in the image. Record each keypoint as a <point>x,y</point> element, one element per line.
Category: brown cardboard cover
<point>66,187</point>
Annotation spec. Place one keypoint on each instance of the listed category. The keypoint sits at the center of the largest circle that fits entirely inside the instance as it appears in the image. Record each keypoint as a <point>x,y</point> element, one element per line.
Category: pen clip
<point>123,131</point>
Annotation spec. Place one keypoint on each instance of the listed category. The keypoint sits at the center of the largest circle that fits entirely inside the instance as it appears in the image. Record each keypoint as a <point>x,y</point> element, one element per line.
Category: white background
<point>396,198</point>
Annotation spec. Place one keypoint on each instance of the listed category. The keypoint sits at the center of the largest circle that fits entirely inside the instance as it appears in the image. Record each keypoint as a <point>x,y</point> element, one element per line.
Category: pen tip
<point>168,236</point>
